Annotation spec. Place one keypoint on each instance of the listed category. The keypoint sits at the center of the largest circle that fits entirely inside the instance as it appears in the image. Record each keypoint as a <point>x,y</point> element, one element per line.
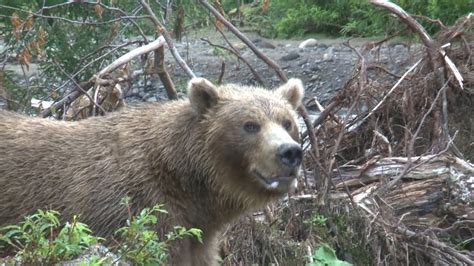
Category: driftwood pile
<point>387,172</point>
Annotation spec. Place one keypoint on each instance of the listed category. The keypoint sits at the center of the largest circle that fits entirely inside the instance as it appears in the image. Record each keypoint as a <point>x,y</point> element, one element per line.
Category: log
<point>433,187</point>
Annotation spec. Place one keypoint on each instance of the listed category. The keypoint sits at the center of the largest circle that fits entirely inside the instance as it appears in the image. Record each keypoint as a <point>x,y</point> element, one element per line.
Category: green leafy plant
<point>316,220</point>
<point>141,244</point>
<point>325,255</point>
<point>16,96</point>
<point>345,17</point>
<point>304,19</point>
<point>222,53</point>
<point>39,240</point>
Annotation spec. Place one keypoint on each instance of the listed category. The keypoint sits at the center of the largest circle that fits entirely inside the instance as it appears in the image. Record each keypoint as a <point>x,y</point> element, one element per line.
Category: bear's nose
<point>290,154</point>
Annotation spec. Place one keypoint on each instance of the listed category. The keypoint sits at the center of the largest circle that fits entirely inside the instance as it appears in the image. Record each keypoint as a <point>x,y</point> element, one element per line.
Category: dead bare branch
<point>391,90</point>
<point>246,40</point>
<point>162,30</point>
<point>221,75</point>
<point>83,87</point>
<point>160,41</point>
<point>163,74</point>
<point>254,72</point>
<point>412,23</point>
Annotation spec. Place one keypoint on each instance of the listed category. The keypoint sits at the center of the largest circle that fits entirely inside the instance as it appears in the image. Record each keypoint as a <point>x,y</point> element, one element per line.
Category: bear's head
<point>252,135</point>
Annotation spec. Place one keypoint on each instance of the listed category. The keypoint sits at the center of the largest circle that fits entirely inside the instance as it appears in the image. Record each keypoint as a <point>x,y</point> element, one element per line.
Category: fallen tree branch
<point>98,78</point>
<point>221,75</point>
<point>411,22</point>
<point>246,40</point>
<point>162,30</point>
<point>160,41</point>
<point>422,192</point>
<point>69,98</point>
<point>93,101</point>
<point>390,91</point>
<point>163,74</point>
<point>323,115</point>
<point>255,74</point>
<point>441,247</point>
<point>435,52</point>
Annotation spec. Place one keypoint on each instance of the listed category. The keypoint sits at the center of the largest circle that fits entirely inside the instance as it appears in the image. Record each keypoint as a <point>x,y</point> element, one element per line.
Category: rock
<point>399,49</point>
<point>152,99</point>
<point>308,43</point>
<point>239,46</point>
<point>329,54</point>
<point>303,62</point>
<point>198,74</point>
<point>264,43</point>
<point>323,46</point>
<point>314,68</point>
<point>290,56</point>
<point>96,251</point>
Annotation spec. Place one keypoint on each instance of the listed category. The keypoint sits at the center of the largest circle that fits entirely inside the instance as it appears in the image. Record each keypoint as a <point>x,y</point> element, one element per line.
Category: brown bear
<point>226,151</point>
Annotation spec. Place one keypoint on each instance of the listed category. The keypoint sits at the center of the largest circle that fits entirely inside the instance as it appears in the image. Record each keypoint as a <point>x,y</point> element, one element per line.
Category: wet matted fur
<point>209,159</point>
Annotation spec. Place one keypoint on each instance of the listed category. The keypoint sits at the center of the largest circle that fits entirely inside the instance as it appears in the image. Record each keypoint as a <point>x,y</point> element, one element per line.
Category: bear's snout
<point>290,155</point>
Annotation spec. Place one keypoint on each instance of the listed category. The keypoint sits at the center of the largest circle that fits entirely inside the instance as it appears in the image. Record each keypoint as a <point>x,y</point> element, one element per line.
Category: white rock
<point>329,54</point>
<point>308,43</point>
<point>36,103</point>
<point>274,184</point>
<point>239,46</point>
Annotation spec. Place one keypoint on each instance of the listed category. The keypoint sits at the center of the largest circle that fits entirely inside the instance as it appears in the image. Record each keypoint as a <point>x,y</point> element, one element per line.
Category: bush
<point>141,244</point>
<point>355,18</point>
<point>40,240</point>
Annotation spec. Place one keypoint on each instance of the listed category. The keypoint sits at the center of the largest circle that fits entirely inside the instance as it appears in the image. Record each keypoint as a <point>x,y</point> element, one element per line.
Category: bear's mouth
<point>276,182</point>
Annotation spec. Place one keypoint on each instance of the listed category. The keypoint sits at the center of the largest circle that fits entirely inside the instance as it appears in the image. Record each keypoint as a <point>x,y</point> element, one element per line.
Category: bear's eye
<point>287,125</point>
<point>251,127</point>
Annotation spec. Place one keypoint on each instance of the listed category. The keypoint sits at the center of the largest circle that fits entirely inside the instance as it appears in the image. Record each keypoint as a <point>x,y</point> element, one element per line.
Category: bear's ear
<point>292,91</point>
<point>202,94</point>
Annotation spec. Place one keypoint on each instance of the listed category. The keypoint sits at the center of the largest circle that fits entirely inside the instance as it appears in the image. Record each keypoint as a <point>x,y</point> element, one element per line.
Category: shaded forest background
<point>270,18</point>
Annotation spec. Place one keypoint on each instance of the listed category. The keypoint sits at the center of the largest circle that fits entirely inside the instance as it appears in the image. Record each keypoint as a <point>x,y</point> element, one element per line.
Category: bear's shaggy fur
<point>209,159</point>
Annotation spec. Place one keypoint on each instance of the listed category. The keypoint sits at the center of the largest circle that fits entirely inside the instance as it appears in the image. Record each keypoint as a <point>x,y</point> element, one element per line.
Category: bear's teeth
<point>274,184</point>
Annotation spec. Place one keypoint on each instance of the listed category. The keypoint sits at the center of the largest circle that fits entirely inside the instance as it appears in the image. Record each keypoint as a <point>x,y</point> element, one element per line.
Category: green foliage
<point>306,18</point>
<point>342,17</point>
<point>341,230</point>
<point>59,38</point>
<point>141,244</point>
<point>325,255</point>
<point>16,95</point>
<point>316,220</point>
<point>76,40</point>
<point>222,53</point>
<point>69,37</point>
<point>261,21</point>
<point>38,242</point>
<point>39,239</point>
